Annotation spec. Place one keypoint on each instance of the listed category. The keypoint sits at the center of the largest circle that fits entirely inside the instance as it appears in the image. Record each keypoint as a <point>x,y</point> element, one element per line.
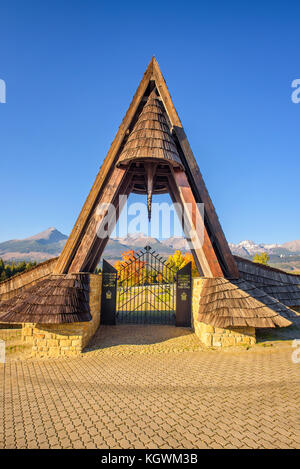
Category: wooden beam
<point>199,189</point>
<point>77,233</point>
<point>84,254</point>
<point>203,251</point>
<point>204,197</point>
<point>98,248</point>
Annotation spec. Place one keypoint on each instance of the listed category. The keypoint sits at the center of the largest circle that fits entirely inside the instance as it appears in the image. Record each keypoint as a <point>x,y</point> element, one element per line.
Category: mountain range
<point>49,243</point>
<point>249,248</point>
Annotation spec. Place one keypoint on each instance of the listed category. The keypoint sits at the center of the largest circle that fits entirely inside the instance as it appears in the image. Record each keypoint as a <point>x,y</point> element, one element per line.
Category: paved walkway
<point>138,394</point>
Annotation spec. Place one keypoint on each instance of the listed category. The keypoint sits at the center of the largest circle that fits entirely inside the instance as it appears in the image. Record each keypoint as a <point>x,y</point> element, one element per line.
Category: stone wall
<point>215,336</point>
<point>10,334</point>
<point>56,340</point>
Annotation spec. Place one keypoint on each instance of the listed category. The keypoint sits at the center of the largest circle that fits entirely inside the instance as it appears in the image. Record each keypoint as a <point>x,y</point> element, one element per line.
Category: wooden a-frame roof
<point>152,78</point>
<point>150,137</point>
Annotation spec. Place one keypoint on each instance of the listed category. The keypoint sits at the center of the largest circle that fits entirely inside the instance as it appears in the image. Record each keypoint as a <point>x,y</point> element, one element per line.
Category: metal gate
<point>146,290</point>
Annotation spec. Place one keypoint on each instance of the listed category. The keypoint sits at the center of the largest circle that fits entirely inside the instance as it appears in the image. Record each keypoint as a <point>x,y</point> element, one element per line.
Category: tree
<point>130,268</point>
<point>190,258</point>
<point>176,262</point>
<point>8,270</point>
<point>262,258</point>
<point>133,270</point>
<point>1,266</point>
<point>30,265</point>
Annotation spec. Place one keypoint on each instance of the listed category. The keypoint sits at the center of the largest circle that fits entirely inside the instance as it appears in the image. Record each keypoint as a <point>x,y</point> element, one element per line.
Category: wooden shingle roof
<point>54,300</point>
<point>281,285</point>
<point>237,303</point>
<point>152,77</point>
<point>150,137</point>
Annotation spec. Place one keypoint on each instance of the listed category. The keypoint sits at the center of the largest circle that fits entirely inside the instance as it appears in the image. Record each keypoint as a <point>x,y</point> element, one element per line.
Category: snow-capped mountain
<point>249,248</point>
<point>140,240</point>
<point>176,243</point>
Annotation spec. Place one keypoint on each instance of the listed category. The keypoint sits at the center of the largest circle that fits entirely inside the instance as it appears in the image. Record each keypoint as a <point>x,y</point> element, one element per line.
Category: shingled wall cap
<point>150,138</point>
<point>58,299</point>
<point>284,286</point>
<point>236,303</point>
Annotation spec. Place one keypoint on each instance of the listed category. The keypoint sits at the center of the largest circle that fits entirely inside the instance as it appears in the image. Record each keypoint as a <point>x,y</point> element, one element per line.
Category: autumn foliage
<point>133,270</point>
<point>262,258</point>
<point>175,262</point>
<point>130,267</point>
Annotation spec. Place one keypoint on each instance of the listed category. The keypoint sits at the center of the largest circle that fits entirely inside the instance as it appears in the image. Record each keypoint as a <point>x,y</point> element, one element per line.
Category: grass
<point>146,297</point>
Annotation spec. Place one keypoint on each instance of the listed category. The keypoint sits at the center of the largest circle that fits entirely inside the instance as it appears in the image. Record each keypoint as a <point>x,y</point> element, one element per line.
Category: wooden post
<point>79,228</point>
<point>118,203</point>
<point>84,259</point>
<point>193,172</point>
<point>203,251</point>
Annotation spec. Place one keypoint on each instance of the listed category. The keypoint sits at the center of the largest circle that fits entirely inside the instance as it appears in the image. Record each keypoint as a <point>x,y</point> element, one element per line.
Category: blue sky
<point>71,68</point>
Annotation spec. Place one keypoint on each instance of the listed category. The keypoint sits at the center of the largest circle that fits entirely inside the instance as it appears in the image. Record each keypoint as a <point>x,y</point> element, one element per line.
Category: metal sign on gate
<point>108,295</point>
<point>184,296</point>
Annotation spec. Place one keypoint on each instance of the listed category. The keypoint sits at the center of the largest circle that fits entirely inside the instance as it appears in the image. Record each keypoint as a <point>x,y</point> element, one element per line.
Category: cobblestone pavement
<point>138,394</point>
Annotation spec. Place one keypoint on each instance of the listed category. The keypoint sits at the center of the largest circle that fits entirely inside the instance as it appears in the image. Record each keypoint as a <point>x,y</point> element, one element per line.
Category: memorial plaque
<point>184,296</point>
<point>108,297</point>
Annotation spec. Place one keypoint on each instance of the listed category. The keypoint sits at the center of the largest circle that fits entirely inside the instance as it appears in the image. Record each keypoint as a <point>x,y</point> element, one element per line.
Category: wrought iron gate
<point>146,290</point>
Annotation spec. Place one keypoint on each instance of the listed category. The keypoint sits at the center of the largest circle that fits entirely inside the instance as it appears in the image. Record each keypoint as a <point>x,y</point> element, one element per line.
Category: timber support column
<point>92,245</point>
<point>203,251</point>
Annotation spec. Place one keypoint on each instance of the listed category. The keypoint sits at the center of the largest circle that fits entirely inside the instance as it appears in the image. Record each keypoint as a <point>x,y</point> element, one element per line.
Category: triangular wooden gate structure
<point>150,154</point>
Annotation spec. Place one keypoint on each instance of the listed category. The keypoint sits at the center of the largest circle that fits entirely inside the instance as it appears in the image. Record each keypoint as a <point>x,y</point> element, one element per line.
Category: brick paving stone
<point>153,393</point>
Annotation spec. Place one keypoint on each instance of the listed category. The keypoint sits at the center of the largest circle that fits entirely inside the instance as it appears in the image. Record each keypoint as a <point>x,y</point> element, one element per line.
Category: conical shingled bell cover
<point>150,138</point>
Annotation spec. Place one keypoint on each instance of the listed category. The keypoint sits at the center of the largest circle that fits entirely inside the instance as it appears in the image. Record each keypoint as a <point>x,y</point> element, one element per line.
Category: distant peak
<point>49,235</point>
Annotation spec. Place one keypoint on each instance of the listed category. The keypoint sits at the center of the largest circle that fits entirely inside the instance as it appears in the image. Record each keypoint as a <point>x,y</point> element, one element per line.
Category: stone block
<point>38,335</point>
<point>65,343</point>
<point>207,339</point>
<point>217,340</point>
<point>76,342</point>
<point>54,352</point>
<point>53,342</point>
<point>228,341</point>
<point>246,339</point>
